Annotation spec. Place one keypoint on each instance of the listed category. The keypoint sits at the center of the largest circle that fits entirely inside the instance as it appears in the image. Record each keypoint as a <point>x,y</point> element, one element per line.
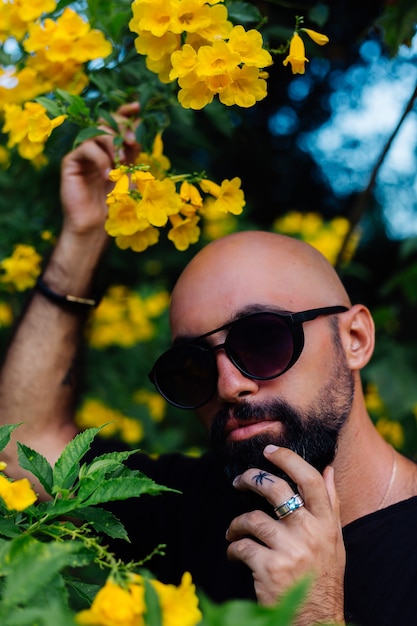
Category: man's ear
<point>357,333</point>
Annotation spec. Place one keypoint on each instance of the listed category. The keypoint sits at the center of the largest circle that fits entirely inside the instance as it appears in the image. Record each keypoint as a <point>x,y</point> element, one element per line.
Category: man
<point>281,397</point>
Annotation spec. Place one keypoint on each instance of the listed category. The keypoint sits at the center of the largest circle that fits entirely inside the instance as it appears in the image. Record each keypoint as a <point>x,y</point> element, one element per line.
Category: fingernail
<point>270,448</point>
<point>227,533</point>
<point>236,480</point>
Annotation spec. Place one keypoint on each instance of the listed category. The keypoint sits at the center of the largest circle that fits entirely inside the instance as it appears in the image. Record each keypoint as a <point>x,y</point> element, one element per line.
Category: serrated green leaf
<point>103,522</point>
<point>30,566</point>
<point>8,528</point>
<point>5,434</point>
<point>108,462</point>
<point>59,507</point>
<point>86,591</point>
<point>120,489</point>
<point>35,463</point>
<point>68,465</point>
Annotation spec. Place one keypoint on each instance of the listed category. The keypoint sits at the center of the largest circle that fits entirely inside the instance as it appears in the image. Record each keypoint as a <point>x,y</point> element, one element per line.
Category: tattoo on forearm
<point>259,478</point>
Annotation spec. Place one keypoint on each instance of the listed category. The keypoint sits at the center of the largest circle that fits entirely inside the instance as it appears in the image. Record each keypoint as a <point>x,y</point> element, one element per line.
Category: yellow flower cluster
<point>29,128</point>
<point>56,50</point>
<point>146,197</point>
<point>297,54</point>
<point>326,236</point>
<point>115,605</point>
<point>15,15</point>
<point>94,413</point>
<point>193,41</point>
<point>153,401</point>
<point>17,495</point>
<point>22,268</point>
<point>124,318</point>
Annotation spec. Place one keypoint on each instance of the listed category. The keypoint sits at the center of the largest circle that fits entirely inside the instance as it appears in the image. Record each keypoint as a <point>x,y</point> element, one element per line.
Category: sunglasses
<point>262,345</point>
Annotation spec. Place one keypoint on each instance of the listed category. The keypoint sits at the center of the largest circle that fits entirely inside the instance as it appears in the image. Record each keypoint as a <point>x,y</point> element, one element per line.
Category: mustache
<point>238,456</point>
<point>276,411</point>
<point>312,435</point>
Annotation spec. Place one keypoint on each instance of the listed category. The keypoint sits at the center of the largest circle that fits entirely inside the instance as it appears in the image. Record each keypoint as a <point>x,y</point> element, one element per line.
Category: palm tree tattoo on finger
<point>259,478</point>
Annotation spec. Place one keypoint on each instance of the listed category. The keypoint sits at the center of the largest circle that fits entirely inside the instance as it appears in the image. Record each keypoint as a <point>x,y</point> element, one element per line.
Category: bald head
<point>248,268</point>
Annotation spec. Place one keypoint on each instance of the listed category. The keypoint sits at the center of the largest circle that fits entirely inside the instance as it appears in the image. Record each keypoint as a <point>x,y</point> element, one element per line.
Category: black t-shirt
<point>381,572</point>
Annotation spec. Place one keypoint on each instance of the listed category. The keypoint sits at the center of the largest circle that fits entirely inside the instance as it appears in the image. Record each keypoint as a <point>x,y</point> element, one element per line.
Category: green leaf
<point>57,508</point>
<point>243,13</point>
<point>51,613</point>
<point>109,119</point>
<point>35,463</point>
<point>8,528</point>
<point>119,489</point>
<point>247,613</point>
<point>153,608</point>
<point>67,466</point>
<point>5,434</point>
<point>106,463</point>
<point>75,103</point>
<point>52,107</point>
<point>398,22</point>
<point>319,14</point>
<point>31,565</point>
<point>103,522</point>
<point>84,590</point>
<point>88,133</point>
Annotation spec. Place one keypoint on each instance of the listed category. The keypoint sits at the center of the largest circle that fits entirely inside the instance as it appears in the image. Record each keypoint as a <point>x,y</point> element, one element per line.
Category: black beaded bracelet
<point>65,300</point>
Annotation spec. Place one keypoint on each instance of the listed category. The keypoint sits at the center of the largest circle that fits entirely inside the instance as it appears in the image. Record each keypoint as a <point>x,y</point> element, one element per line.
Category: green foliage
<point>398,21</point>
<point>245,612</point>
<point>39,548</point>
<point>50,552</point>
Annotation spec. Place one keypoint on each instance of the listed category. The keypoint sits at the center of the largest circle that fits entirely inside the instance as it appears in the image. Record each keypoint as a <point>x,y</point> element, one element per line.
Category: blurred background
<point>329,156</point>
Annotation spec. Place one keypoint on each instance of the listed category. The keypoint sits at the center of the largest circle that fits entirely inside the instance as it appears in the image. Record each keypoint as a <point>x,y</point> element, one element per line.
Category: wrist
<point>73,264</point>
<point>66,301</point>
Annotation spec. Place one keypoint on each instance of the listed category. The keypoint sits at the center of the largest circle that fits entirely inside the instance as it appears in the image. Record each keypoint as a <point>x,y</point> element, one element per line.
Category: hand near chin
<point>304,539</point>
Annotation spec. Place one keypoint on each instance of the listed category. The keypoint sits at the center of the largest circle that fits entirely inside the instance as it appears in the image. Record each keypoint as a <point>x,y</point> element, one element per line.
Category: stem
<point>361,203</point>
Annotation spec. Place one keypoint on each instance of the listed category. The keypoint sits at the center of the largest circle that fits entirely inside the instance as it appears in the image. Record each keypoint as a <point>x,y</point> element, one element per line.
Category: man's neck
<point>369,474</point>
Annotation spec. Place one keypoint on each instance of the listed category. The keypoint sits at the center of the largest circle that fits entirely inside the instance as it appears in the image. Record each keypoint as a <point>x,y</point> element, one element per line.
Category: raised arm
<point>37,381</point>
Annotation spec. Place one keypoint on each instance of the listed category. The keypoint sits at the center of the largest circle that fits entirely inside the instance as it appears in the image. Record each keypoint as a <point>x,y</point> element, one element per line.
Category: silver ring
<point>288,507</point>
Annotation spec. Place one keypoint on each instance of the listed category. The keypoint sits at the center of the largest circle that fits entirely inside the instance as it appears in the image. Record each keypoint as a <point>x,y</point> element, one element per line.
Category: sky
<point>366,105</point>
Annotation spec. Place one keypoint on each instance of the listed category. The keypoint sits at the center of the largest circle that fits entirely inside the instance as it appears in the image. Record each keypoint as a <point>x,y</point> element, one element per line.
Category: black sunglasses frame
<point>294,321</point>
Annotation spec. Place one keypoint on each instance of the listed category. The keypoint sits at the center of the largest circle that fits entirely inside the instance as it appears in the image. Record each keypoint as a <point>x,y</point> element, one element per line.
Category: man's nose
<point>232,385</point>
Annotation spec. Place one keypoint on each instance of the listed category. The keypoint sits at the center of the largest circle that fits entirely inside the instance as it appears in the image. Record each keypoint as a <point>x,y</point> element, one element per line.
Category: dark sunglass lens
<point>262,345</point>
<point>186,376</point>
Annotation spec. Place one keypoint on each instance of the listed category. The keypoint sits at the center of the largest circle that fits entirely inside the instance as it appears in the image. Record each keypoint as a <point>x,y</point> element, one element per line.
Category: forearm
<point>38,377</point>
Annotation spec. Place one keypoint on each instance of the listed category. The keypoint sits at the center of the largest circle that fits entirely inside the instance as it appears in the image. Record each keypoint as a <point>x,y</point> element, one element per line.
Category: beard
<point>312,433</point>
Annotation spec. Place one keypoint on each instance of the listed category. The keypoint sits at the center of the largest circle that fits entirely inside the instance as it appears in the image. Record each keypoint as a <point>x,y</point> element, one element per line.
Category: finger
<point>328,477</point>
<point>98,151</point>
<point>310,482</point>
<point>274,489</point>
<point>256,525</point>
<point>129,109</point>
